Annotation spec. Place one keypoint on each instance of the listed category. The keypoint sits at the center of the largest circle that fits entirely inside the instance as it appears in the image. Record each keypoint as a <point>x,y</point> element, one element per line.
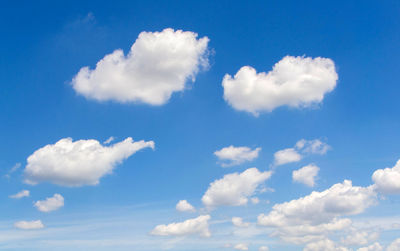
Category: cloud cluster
<point>78,163</point>
<point>158,64</point>
<point>293,81</point>
<point>388,180</point>
<point>373,247</point>
<point>29,225</point>
<point>196,226</point>
<point>50,204</point>
<point>238,222</point>
<point>231,155</point>
<point>306,175</point>
<point>324,245</point>
<point>306,218</point>
<point>184,206</point>
<point>234,189</point>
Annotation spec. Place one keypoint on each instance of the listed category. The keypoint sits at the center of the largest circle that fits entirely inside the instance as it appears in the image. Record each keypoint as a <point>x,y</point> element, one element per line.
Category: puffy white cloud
<point>394,246</point>
<point>388,180</point>
<point>315,146</point>
<point>196,226</point>
<point>50,204</point>
<point>263,248</point>
<point>29,225</point>
<point>285,156</point>
<point>293,81</point>
<point>358,238</point>
<point>236,155</point>
<point>241,246</point>
<point>19,195</point>
<point>234,189</point>
<point>238,222</point>
<point>158,64</point>
<point>306,175</point>
<point>318,212</point>
<point>374,247</point>
<point>184,206</point>
<point>324,245</point>
<point>78,163</point>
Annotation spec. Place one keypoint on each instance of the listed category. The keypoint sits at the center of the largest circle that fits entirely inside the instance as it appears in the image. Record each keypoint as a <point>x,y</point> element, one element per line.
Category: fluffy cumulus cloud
<point>306,175</point>
<point>324,245</point>
<point>231,155</point>
<point>388,180</point>
<point>184,206</point>
<point>293,81</point>
<point>196,226</point>
<point>285,156</point>
<point>78,163</point>
<point>158,64</point>
<point>19,195</point>
<point>29,225</point>
<point>310,217</point>
<point>358,238</point>
<point>374,247</point>
<point>50,204</point>
<point>234,189</point>
<point>394,246</point>
<point>238,222</point>
<point>241,246</point>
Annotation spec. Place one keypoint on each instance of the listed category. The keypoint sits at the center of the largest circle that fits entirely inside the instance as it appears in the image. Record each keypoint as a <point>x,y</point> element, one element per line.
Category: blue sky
<point>352,110</point>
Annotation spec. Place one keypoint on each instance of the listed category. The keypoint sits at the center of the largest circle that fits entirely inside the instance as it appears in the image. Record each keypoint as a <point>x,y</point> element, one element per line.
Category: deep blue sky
<point>45,43</point>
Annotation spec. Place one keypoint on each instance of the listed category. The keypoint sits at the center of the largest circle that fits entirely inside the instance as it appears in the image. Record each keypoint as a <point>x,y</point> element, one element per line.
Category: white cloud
<point>29,225</point>
<point>50,204</point>
<point>319,212</point>
<point>285,156</point>
<point>238,222</point>
<point>388,180</point>
<point>306,175</point>
<point>263,248</point>
<point>19,195</point>
<point>109,140</point>
<point>293,81</point>
<point>184,206</point>
<point>358,238</point>
<point>13,169</point>
<point>234,189</point>
<point>315,146</point>
<point>78,163</point>
<point>374,247</point>
<point>236,155</point>
<point>324,245</point>
<point>394,246</point>
<point>196,226</point>
<point>158,64</point>
<point>241,246</point>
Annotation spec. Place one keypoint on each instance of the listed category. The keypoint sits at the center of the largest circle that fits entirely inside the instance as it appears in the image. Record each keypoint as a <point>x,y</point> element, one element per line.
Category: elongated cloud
<point>285,156</point>
<point>158,64</point>
<point>388,180</point>
<point>19,195</point>
<point>234,189</point>
<point>50,204</point>
<point>293,81</point>
<point>29,225</point>
<point>196,226</point>
<point>231,155</point>
<point>78,163</point>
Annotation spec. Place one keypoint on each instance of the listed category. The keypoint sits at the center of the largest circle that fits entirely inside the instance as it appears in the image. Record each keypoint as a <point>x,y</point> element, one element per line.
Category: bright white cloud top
<point>29,225</point>
<point>234,189</point>
<point>184,206</point>
<point>388,180</point>
<point>158,64</point>
<point>324,245</point>
<point>196,226</point>
<point>50,204</point>
<point>306,175</point>
<point>293,81</point>
<point>19,195</point>
<point>373,247</point>
<point>285,156</point>
<point>238,222</point>
<point>319,212</point>
<point>231,155</point>
<point>78,163</point>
